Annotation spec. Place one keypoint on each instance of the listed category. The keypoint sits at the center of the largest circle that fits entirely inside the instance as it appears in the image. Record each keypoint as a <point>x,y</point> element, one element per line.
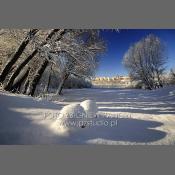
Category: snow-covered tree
<point>75,53</point>
<point>72,52</point>
<point>21,65</point>
<point>7,68</point>
<point>145,61</point>
<point>79,55</point>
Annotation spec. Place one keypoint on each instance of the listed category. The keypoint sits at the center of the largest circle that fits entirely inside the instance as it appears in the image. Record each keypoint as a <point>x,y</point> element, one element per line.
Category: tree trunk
<point>61,85</point>
<point>159,80</point>
<point>26,84</point>
<point>26,61</point>
<point>146,80</point>
<point>49,79</point>
<point>40,71</point>
<point>20,79</point>
<point>17,54</point>
<point>37,77</point>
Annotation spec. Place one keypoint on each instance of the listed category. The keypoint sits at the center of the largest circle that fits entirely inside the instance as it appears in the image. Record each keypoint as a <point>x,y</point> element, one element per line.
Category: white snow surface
<point>90,108</point>
<point>70,118</point>
<point>125,117</point>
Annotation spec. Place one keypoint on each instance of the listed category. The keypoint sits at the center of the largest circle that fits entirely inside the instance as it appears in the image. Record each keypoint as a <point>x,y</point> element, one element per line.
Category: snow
<point>70,118</point>
<point>90,108</point>
<point>172,93</point>
<point>125,117</point>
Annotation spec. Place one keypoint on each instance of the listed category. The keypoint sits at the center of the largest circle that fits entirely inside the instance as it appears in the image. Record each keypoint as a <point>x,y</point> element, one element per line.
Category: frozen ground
<point>126,116</point>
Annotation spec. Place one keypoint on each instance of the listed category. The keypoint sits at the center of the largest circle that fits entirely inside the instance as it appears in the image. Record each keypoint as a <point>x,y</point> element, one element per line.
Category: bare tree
<point>145,61</point>
<point>76,50</point>
<point>30,57</point>
<point>46,58</point>
<point>80,58</point>
<point>79,47</point>
<point>17,54</point>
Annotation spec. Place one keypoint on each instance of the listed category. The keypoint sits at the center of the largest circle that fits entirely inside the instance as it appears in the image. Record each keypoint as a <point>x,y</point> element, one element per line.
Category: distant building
<point>119,81</point>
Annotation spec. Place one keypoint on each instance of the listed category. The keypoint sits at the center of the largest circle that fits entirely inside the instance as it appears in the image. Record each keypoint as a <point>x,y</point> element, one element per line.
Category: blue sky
<point>119,42</point>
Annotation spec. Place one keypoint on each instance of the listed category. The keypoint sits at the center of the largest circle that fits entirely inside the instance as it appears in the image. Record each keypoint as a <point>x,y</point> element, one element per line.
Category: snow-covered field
<point>125,116</point>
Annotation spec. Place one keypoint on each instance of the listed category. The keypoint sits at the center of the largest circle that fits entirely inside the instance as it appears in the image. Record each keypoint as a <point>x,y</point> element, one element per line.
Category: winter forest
<point>87,86</point>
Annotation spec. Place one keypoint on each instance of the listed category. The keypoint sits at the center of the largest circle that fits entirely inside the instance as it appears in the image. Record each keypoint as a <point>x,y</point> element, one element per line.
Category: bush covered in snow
<point>90,108</point>
<point>71,117</point>
<point>77,82</point>
<point>72,111</point>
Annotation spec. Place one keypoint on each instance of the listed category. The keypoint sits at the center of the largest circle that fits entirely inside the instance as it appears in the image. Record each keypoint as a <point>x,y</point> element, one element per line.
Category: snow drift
<point>71,117</point>
<point>90,108</point>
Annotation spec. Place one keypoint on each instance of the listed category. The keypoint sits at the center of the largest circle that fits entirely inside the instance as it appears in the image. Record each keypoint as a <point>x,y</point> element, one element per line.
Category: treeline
<point>30,55</point>
<point>50,82</point>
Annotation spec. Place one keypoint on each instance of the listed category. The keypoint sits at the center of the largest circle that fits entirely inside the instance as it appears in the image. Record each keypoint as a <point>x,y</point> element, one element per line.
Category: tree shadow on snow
<point>16,129</point>
<point>27,102</point>
<point>134,101</point>
<point>127,129</point>
<point>139,107</point>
